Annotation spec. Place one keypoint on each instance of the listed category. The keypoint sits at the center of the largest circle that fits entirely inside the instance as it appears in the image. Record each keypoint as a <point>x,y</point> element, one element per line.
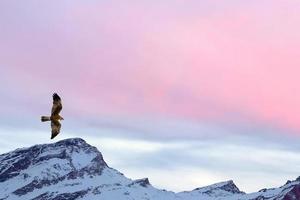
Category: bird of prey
<point>55,117</point>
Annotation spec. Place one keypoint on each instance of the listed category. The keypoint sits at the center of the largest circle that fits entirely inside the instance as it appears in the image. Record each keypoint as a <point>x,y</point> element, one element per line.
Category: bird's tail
<point>45,118</point>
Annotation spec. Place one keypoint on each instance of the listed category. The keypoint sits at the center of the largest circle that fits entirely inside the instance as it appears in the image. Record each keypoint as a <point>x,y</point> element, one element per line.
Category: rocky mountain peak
<point>47,164</point>
<point>227,186</point>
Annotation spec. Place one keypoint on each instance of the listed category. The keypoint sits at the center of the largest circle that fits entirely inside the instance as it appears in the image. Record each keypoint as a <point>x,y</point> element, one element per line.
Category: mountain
<point>72,169</point>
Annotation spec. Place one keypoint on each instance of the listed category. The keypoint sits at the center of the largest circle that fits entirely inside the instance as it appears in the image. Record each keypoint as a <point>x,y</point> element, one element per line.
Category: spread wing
<point>57,106</point>
<point>55,128</point>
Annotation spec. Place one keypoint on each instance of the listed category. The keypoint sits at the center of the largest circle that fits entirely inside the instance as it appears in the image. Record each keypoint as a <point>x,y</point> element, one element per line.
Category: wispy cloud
<point>252,166</point>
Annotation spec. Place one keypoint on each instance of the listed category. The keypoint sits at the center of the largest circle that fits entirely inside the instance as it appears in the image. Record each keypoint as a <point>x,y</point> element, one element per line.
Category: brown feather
<point>56,108</point>
<point>57,105</point>
<point>55,128</point>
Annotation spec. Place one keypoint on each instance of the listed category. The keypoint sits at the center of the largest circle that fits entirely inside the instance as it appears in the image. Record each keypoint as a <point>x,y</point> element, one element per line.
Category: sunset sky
<point>187,93</point>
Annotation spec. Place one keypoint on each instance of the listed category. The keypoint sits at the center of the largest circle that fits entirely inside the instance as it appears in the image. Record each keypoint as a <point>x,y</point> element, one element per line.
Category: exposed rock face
<point>231,187</point>
<point>72,169</point>
<point>293,193</point>
<point>227,188</point>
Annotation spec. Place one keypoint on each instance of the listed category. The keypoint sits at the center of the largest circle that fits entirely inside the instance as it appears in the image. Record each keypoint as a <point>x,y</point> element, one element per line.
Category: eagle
<point>55,117</point>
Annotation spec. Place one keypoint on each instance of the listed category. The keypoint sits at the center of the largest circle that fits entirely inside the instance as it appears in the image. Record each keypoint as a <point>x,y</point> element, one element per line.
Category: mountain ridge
<point>72,169</point>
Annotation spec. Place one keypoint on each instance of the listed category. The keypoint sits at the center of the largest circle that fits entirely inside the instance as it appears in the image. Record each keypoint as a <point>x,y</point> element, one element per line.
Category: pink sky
<point>210,60</point>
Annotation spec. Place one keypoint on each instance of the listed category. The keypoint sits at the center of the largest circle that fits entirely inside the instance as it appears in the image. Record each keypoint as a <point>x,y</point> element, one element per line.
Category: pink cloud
<point>144,59</point>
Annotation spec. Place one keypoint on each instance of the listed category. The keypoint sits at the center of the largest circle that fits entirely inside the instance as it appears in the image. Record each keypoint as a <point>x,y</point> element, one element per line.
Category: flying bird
<point>55,117</point>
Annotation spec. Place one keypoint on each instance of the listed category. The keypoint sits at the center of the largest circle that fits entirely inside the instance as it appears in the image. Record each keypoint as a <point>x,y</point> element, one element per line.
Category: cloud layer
<point>202,60</point>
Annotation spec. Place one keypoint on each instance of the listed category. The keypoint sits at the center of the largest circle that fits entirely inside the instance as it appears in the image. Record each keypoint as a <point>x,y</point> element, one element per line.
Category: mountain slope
<point>73,169</point>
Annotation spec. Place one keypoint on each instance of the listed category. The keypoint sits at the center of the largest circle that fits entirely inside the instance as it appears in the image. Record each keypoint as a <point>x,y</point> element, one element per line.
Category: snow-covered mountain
<point>72,169</point>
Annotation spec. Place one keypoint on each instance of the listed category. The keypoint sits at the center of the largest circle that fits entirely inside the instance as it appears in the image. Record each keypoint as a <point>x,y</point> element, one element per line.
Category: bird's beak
<point>62,119</point>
